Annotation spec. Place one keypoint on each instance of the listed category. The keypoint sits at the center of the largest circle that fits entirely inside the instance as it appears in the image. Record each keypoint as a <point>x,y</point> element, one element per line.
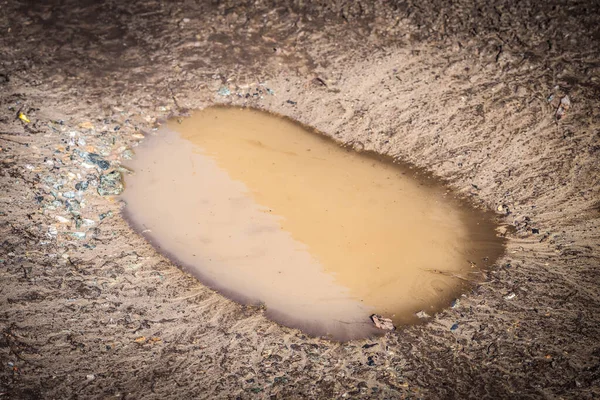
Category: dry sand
<point>467,92</point>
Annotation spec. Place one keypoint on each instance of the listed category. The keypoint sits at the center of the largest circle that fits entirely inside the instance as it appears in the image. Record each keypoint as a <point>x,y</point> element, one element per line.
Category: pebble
<point>111,184</point>
<point>382,322</point>
<point>62,220</point>
<point>224,91</point>
<point>83,185</point>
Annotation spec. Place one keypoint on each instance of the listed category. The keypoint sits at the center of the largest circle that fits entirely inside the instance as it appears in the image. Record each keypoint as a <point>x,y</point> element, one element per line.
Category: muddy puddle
<point>267,211</point>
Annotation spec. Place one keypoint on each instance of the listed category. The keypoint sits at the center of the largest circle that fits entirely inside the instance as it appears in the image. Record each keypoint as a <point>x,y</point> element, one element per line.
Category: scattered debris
<point>503,208</point>
<point>224,91</point>
<point>111,184</point>
<point>86,125</point>
<point>62,220</point>
<point>291,102</point>
<point>510,296</point>
<point>563,107</point>
<point>94,158</point>
<point>127,154</point>
<point>454,327</point>
<point>368,346</point>
<point>382,322</point>
<point>83,185</point>
<point>23,118</point>
<point>90,377</point>
<point>422,315</point>
<point>105,215</point>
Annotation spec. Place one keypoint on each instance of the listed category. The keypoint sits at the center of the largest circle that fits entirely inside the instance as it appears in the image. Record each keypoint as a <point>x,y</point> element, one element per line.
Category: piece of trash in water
<point>224,91</point>
<point>422,315</point>
<point>24,118</point>
<point>382,322</point>
<point>454,327</point>
<point>510,296</point>
<point>565,104</point>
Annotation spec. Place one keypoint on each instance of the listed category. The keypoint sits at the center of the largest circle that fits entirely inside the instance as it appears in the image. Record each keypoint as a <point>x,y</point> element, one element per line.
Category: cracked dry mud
<point>466,92</point>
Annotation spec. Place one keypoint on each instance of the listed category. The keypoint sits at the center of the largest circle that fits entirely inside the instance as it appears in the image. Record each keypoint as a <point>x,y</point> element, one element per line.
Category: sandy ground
<point>466,91</point>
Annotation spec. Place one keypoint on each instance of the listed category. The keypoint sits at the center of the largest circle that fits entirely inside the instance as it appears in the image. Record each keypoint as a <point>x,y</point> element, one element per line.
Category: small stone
<point>62,220</point>
<point>127,154</point>
<point>90,377</point>
<point>73,206</point>
<point>78,235</point>
<point>105,215</point>
<point>83,185</point>
<point>86,125</point>
<point>565,104</point>
<point>94,158</point>
<point>382,322</point>
<point>422,315</point>
<point>111,184</point>
<point>224,91</point>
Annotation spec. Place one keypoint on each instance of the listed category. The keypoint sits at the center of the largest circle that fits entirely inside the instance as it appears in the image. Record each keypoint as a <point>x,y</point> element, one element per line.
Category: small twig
<point>499,53</point>
<point>15,141</point>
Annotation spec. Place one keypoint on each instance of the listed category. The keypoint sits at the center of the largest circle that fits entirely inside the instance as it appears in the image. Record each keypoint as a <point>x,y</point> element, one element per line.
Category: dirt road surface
<point>467,91</point>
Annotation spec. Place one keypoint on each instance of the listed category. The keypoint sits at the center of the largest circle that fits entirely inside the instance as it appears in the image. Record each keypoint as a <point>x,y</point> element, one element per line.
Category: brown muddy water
<point>269,211</point>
